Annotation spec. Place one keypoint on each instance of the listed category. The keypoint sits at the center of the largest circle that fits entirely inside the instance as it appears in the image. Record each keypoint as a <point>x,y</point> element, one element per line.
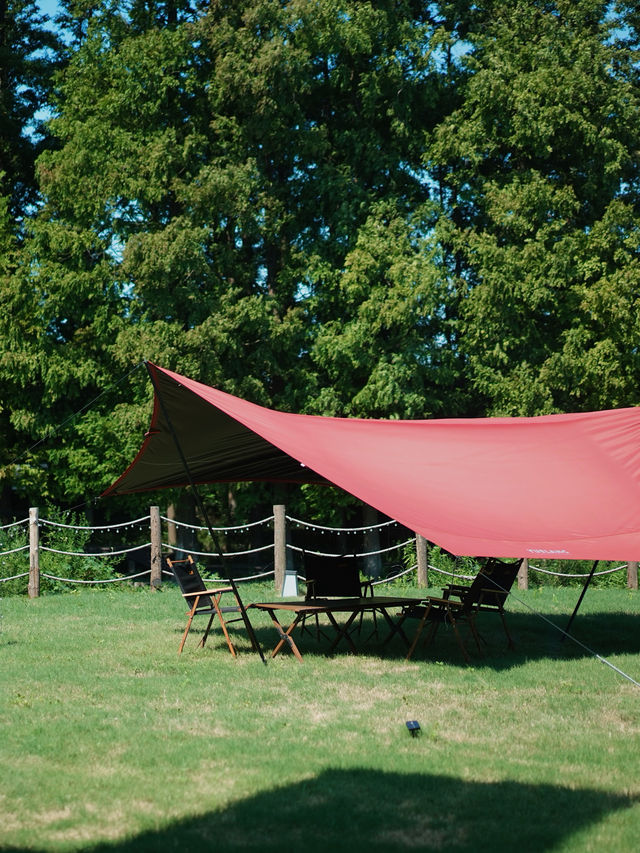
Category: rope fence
<point>14,550</point>
<point>123,524</point>
<point>355,554</point>
<point>98,553</point>
<point>103,580</point>
<point>279,550</point>
<point>578,574</point>
<point>224,554</point>
<point>15,577</point>
<point>14,524</point>
<point>239,527</point>
<point>312,526</point>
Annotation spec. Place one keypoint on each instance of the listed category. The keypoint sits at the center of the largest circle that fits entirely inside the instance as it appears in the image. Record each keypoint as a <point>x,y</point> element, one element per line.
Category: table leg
<point>343,630</point>
<point>395,627</point>
<point>285,636</point>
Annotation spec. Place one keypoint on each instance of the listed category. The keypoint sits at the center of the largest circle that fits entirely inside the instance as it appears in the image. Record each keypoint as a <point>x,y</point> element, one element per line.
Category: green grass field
<point>112,742</point>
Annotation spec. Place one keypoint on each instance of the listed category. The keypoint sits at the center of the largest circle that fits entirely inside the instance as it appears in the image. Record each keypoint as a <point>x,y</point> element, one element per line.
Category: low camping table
<point>328,607</point>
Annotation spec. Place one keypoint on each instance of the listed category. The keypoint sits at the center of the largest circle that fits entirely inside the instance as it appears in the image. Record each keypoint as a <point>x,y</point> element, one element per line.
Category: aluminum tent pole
<point>577,607</point>
<point>205,515</point>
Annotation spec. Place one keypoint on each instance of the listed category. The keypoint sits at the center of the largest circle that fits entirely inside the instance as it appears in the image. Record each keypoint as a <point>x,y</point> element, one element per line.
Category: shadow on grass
<point>536,636</point>
<point>539,636</point>
<point>354,810</point>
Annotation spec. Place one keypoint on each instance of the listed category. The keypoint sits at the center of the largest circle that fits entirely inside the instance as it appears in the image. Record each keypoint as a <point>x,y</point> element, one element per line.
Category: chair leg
<point>433,630</point>
<point>207,629</point>
<point>303,625</point>
<point>223,624</point>
<point>374,633</point>
<point>448,618</point>
<point>418,632</point>
<point>188,628</point>
<point>474,631</point>
<point>215,599</point>
<point>431,633</point>
<point>506,630</point>
<point>465,654</point>
<point>319,631</point>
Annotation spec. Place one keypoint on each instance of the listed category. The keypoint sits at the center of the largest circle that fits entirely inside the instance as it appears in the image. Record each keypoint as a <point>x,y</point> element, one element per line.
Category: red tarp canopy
<point>555,486</point>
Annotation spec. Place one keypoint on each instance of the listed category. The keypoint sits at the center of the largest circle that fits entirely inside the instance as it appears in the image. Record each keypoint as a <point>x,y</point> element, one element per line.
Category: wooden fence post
<point>156,548</point>
<point>279,545</point>
<point>34,553</point>
<point>632,574</point>
<point>523,575</point>
<point>422,555</point>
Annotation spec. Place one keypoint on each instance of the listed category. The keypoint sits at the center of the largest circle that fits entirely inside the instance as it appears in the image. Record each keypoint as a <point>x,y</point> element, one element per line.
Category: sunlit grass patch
<point>111,741</point>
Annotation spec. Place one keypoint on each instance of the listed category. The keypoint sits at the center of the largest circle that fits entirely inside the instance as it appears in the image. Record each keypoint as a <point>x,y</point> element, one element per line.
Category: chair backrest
<point>496,576</point>
<point>189,580</point>
<point>329,577</point>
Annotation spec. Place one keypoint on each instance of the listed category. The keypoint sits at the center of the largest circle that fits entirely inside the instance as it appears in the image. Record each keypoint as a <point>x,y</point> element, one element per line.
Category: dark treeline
<point>377,209</point>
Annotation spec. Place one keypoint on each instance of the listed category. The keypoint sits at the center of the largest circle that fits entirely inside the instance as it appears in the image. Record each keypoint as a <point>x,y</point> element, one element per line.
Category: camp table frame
<point>329,608</point>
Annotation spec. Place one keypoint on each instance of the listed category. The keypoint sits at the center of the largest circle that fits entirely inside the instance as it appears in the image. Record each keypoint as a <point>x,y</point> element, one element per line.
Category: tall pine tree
<point>30,51</point>
<point>538,169</point>
<point>217,171</point>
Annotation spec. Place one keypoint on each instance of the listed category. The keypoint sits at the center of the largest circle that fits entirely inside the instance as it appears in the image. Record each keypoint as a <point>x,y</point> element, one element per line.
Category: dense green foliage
<point>29,51</point>
<point>375,209</point>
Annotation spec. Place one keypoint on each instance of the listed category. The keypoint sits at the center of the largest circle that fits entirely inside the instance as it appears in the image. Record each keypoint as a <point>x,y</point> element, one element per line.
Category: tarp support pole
<point>205,516</point>
<point>577,607</point>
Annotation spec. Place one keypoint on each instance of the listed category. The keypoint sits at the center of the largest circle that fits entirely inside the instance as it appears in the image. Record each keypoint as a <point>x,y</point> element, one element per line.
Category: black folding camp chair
<point>330,578</point>
<point>489,590</point>
<point>460,604</point>
<point>206,601</point>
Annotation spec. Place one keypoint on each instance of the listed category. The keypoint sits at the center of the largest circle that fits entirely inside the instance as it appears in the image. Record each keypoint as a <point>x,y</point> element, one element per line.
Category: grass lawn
<point>111,742</point>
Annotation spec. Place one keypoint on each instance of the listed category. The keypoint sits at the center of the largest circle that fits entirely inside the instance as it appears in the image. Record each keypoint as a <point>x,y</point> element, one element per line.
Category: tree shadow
<point>368,810</point>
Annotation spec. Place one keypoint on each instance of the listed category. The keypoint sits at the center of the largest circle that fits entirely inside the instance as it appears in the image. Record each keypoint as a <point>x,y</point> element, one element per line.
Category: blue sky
<point>50,7</point>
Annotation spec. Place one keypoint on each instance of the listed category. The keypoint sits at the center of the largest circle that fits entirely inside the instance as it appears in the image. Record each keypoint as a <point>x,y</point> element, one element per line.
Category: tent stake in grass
<point>579,602</point>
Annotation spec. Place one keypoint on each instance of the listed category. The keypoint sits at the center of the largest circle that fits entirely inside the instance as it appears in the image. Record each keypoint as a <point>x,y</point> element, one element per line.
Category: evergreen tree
<point>29,53</point>
<point>214,172</point>
<point>538,167</point>
<point>356,208</point>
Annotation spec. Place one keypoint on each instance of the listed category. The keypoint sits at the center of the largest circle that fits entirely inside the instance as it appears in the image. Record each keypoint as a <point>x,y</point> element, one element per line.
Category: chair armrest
<point>433,599</point>
<point>456,587</point>
<point>494,595</point>
<point>208,592</point>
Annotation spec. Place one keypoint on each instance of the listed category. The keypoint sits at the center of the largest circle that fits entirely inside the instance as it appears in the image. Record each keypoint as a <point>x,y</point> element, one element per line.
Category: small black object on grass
<point>414,727</point>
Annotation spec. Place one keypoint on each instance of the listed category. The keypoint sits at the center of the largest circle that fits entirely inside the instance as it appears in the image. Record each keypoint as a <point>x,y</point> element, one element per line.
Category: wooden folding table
<point>329,607</point>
